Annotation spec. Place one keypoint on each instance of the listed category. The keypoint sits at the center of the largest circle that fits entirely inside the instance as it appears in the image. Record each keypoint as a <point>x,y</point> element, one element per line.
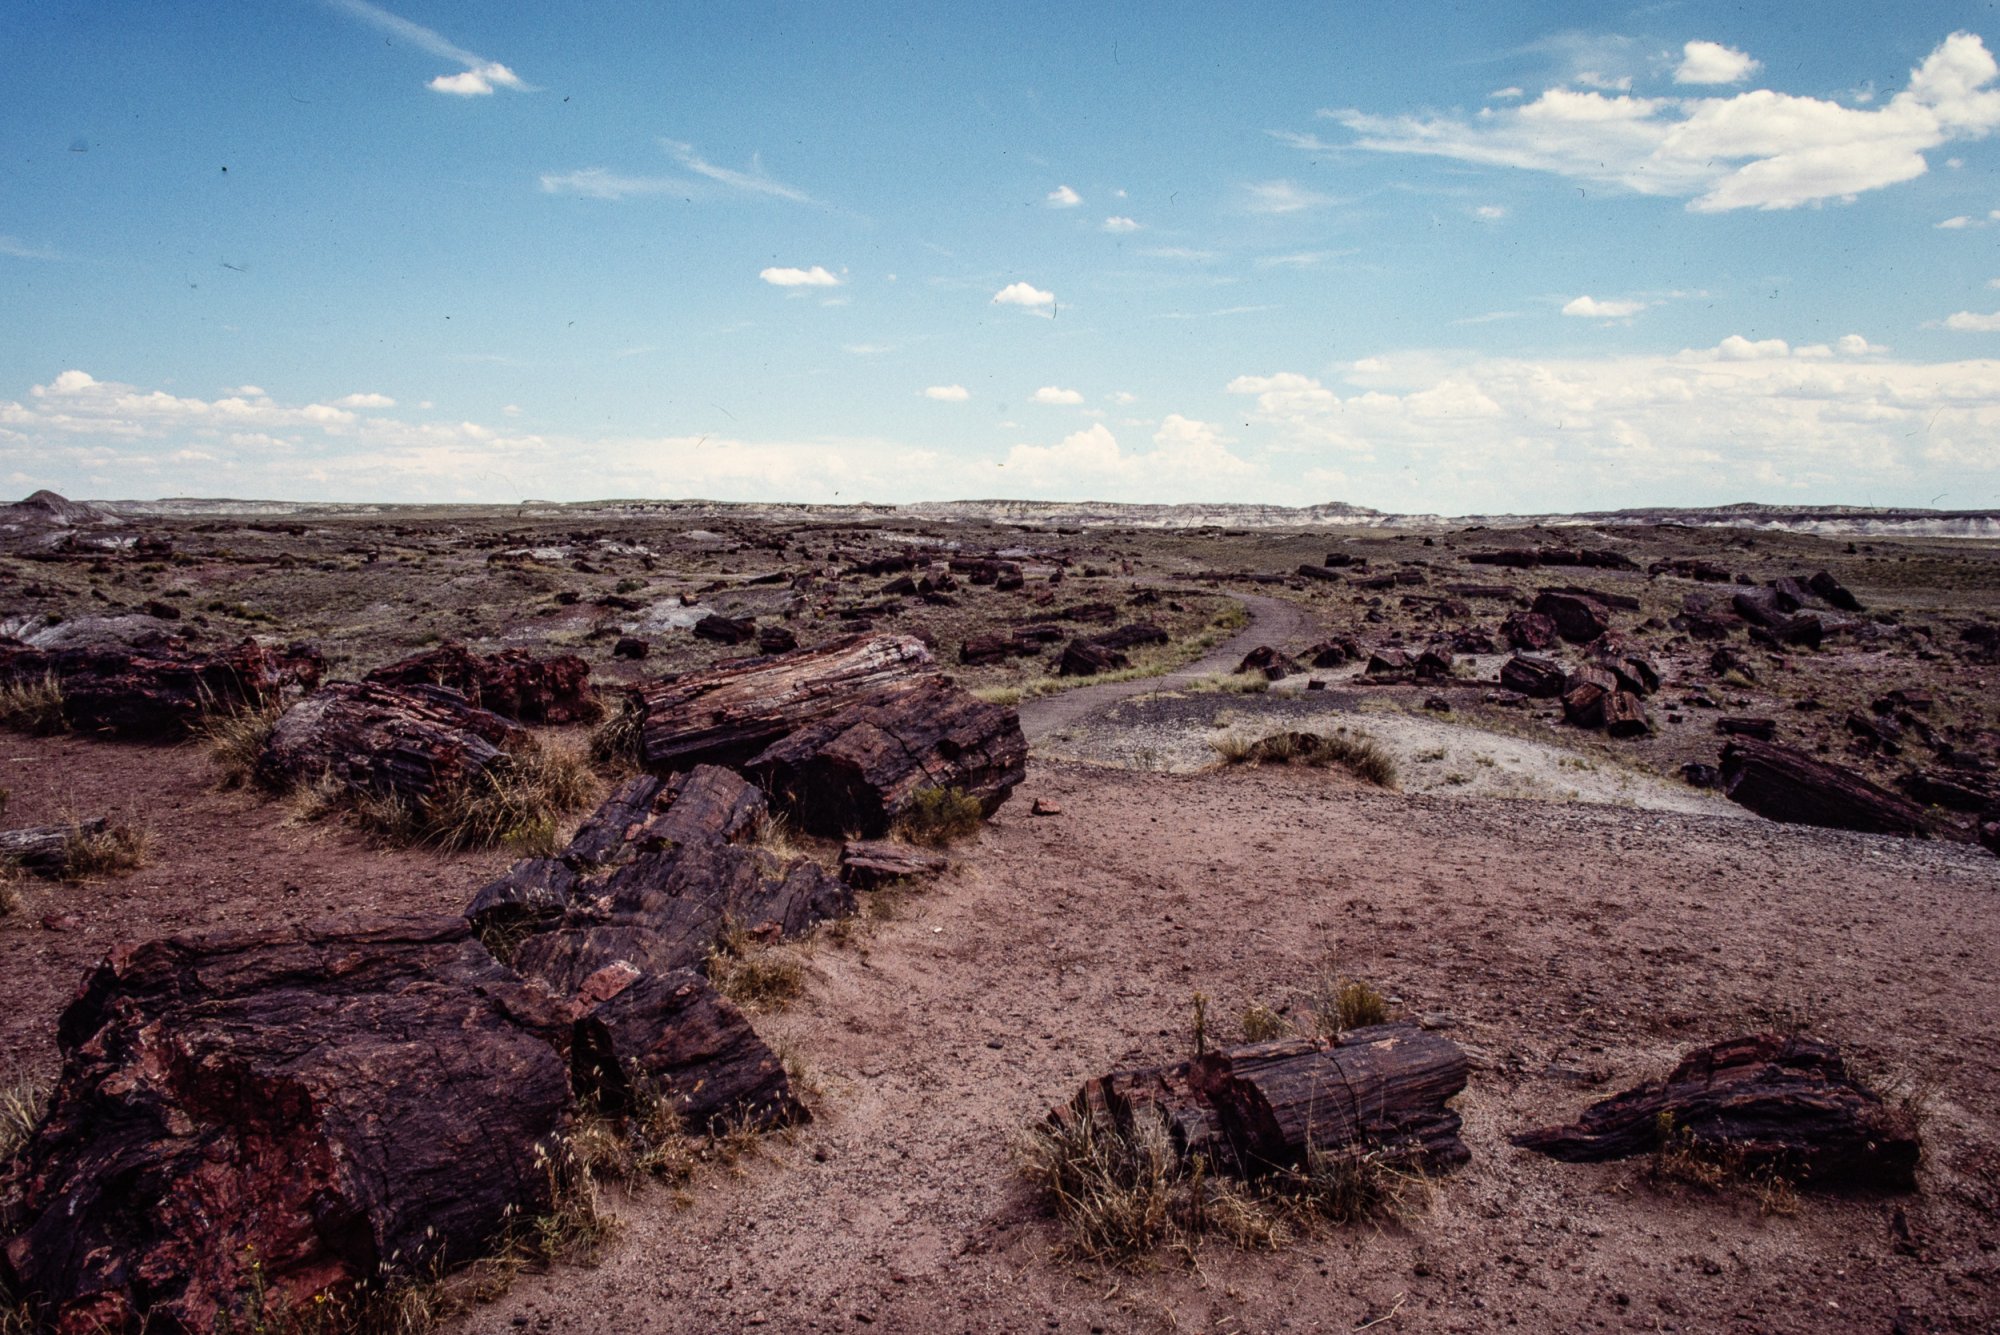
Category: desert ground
<point>1562,903</point>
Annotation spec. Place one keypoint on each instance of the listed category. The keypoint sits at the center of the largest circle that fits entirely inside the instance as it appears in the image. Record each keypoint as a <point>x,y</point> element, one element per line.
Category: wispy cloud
<point>15,248</point>
<point>1301,259</point>
<point>1590,308</point>
<point>1284,197</point>
<point>480,76</point>
<point>1759,149</point>
<point>947,393</point>
<point>1120,224</point>
<point>756,181</point>
<point>597,183</point>
<point>1712,62</point>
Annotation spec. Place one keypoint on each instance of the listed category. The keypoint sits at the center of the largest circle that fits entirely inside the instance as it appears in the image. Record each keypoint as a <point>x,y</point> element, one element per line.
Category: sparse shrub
<point>1359,755</point>
<point>630,585</point>
<point>750,973</point>
<point>1231,683</point>
<point>21,1109</point>
<point>10,892</point>
<point>34,707</point>
<point>235,740</point>
<point>1679,1157</point>
<point>614,743</point>
<point>517,804</point>
<point>1340,1004</point>
<point>938,816</point>
<point>1261,1024</point>
<point>113,850</point>
<point>998,695</point>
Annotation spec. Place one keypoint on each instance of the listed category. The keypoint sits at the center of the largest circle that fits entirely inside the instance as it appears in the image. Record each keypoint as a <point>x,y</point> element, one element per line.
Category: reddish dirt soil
<point>1573,950</point>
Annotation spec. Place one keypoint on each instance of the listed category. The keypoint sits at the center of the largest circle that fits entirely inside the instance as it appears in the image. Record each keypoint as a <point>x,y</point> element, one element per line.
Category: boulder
<point>725,630</point>
<point>1268,663</point>
<point>1083,658</point>
<point>1577,619</point>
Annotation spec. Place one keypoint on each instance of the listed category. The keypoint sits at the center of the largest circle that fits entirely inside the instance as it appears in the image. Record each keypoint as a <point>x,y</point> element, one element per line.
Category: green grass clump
<point>938,816</point>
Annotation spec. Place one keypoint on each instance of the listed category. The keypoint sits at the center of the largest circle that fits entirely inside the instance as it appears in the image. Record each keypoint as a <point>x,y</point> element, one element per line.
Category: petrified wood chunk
<point>330,1104</point>
<point>1528,630</point>
<point>1268,663</point>
<point>725,630</point>
<point>1536,678</point>
<point>726,714</point>
<point>1384,662</point>
<point>44,849</point>
<point>1833,592</point>
<point>1131,636</point>
<point>160,691</point>
<point>1768,1101</point>
<point>511,682</point>
<point>1577,619</point>
<point>1787,785</point>
<point>868,863</point>
<point>1310,571</point>
<point>1084,658</point>
<point>410,741</point>
<point>860,769</point>
<point>1625,715</point>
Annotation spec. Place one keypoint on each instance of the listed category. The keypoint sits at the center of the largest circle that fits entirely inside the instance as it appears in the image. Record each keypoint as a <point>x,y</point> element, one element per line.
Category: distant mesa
<point>47,507</point>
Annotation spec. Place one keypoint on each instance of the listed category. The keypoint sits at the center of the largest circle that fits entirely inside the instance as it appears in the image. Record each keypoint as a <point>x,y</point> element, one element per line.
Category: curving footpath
<point>1273,621</point>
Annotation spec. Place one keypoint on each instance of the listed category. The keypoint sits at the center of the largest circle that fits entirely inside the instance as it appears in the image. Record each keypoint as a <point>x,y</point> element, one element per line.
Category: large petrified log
<point>412,742</point>
<point>726,714</point>
<point>1767,1102</point>
<point>326,1105</point>
<point>1553,556</point>
<point>1267,662</point>
<point>1382,1090</point>
<point>1577,618</point>
<point>1528,630</point>
<point>1086,658</point>
<point>511,682</point>
<point>1788,785</point>
<point>160,691</point>
<point>858,771</point>
<point>1536,678</point>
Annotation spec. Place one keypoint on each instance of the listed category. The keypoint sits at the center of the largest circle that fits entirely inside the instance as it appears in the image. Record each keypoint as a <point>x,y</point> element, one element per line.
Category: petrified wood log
<point>1387,661</point>
<point>1625,715</point>
<point>330,1104</point>
<point>1536,678</point>
<point>727,714</point>
<point>1833,592</point>
<point>44,849</point>
<point>410,741</point>
<point>857,771</point>
<point>1759,729</point>
<point>1434,663</point>
<point>159,692</point>
<point>1787,785</point>
<point>1528,630</point>
<point>1268,663</point>
<point>1131,636</point>
<point>776,640</point>
<point>511,682</point>
<point>1310,571</point>
<point>1767,1101</point>
<point>725,630</point>
<point>1383,1088</point>
<point>1577,619</point>
<point>1084,658</point>
<point>867,864</point>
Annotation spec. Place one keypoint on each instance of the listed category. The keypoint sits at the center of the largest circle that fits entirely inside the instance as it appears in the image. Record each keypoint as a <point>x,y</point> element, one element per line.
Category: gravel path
<point>1273,621</point>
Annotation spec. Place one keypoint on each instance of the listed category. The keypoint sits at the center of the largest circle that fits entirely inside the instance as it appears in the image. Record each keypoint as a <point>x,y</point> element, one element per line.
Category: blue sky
<point>1425,257</point>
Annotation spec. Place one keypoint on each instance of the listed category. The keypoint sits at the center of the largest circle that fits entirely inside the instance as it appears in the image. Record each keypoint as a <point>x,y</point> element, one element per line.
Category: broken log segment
<point>1767,1102</point>
<point>861,769</point>
<point>303,1109</point>
<point>409,742</point>
<point>45,849</point>
<point>1787,785</point>
<point>726,714</point>
<point>868,864</point>
<point>159,692</point>
<point>511,683</point>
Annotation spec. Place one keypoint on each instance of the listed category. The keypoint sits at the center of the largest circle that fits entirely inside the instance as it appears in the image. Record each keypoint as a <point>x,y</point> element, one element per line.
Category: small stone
<point>1042,806</point>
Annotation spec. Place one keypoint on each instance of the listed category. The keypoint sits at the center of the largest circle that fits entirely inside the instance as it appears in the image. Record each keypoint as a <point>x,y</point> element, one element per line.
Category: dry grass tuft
<point>1357,754</point>
<point>1230,683</point>
<point>34,707</point>
<point>10,890</point>
<point>1122,1198</point>
<point>1261,1024</point>
<point>21,1109</point>
<point>1681,1159</point>
<point>114,850</point>
<point>518,805</point>
<point>235,740</point>
<point>751,973</point>
<point>1340,1004</point>
<point>614,743</point>
<point>938,816</point>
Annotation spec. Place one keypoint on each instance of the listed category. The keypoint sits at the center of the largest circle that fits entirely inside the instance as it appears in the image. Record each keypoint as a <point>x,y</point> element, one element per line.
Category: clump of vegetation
<point>518,804</point>
<point>112,849</point>
<point>938,816</point>
<point>1340,1004</point>
<point>1121,1198</point>
<point>1261,1024</point>
<point>235,740</point>
<point>10,892</point>
<point>1231,683</point>
<point>21,1108</point>
<point>751,973</point>
<point>1680,1158</point>
<point>614,743</point>
<point>1357,754</point>
<point>34,707</point>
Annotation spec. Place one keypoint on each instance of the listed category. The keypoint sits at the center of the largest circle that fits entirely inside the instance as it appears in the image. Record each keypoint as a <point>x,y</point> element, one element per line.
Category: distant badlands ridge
<point>1823,519</point>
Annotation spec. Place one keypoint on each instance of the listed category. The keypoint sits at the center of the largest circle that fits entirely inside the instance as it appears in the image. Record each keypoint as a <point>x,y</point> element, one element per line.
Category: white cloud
<point>1120,224</point>
<point>1507,94</point>
<point>1490,212</point>
<point>1591,308</point>
<point>250,391</point>
<point>1051,394</point>
<point>1737,348</point>
<point>1025,295</point>
<point>477,82</point>
<point>1958,224</point>
<point>813,277</point>
<point>1758,149</point>
<point>1284,197</point>
<point>350,401</point>
<point>1122,397</point>
<point>1712,62</point>
<point>948,393</point>
<point>1062,197</point>
<point>15,248</point>
<point>1303,259</point>
<point>1853,345</point>
<point>1187,457</point>
<point>481,75</point>
<point>1971,322</point>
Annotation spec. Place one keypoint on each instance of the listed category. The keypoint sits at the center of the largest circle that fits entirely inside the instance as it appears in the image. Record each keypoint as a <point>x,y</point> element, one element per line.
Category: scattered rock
<point>1083,658</point>
<point>1577,619</point>
<point>725,630</point>
<point>160,692</point>
<point>631,647</point>
<point>1528,630</point>
<point>1536,678</point>
<point>1268,663</point>
<point>867,864</point>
